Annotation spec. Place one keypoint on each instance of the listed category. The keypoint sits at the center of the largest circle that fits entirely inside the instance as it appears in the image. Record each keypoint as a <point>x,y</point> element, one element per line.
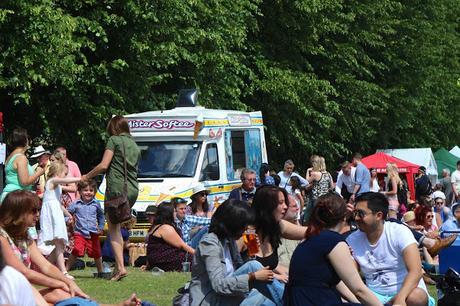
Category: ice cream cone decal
<point>198,125</point>
<point>162,197</point>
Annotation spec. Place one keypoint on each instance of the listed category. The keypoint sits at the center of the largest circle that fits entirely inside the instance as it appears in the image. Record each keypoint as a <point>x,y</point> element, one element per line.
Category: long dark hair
<point>194,204</point>
<point>13,212</point>
<point>231,218</point>
<point>265,203</point>
<point>264,168</point>
<point>165,215</point>
<point>329,210</point>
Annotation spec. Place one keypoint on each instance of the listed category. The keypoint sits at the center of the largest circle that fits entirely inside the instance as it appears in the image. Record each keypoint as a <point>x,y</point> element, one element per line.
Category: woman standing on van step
<point>113,165</point>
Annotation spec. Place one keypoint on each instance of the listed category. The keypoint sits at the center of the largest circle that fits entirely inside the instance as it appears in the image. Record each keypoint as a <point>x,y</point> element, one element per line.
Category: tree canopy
<point>331,77</point>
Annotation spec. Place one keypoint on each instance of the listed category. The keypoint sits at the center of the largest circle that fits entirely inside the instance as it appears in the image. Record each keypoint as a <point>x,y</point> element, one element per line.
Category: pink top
<point>74,171</point>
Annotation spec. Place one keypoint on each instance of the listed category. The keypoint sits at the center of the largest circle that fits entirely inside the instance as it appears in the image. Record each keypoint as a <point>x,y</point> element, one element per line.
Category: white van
<point>187,145</point>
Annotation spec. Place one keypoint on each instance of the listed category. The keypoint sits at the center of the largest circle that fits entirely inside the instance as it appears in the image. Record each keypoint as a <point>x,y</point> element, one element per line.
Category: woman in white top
<point>374,182</point>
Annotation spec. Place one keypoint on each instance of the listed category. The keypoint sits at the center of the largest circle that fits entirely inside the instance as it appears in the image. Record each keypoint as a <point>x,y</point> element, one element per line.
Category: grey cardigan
<point>210,285</point>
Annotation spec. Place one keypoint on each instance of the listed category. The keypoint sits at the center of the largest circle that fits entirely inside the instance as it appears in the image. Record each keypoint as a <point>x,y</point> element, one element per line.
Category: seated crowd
<point>318,259</point>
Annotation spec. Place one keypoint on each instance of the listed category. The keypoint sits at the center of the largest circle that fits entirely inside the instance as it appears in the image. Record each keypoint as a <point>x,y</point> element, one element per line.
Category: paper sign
<point>2,153</point>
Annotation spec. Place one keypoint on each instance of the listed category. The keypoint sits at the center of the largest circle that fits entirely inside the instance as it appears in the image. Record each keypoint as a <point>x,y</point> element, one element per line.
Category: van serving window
<point>168,159</point>
<point>242,150</point>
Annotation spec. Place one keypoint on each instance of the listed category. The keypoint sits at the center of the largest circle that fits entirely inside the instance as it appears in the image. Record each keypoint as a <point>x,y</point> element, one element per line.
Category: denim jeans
<point>197,237</point>
<point>273,290</point>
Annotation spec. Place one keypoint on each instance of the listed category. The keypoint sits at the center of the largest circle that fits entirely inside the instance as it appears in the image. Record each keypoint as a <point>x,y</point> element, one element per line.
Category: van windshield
<point>168,159</point>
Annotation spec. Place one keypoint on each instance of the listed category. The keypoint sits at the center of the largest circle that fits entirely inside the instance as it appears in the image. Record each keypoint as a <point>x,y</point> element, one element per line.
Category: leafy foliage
<point>330,76</point>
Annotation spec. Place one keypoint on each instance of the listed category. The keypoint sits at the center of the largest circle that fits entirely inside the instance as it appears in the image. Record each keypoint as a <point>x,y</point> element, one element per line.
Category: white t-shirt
<point>348,181</point>
<point>375,185</point>
<point>455,178</point>
<point>14,288</point>
<point>284,182</point>
<point>383,264</point>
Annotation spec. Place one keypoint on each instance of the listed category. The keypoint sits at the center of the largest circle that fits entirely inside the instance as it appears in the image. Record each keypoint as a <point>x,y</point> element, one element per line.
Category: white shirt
<point>284,182</point>
<point>228,260</point>
<point>375,185</point>
<point>348,181</point>
<point>14,288</point>
<point>455,179</point>
<point>383,263</point>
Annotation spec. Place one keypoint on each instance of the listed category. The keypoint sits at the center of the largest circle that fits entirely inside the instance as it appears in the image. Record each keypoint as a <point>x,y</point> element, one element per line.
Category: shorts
<point>393,203</point>
<point>385,298</point>
<point>90,245</point>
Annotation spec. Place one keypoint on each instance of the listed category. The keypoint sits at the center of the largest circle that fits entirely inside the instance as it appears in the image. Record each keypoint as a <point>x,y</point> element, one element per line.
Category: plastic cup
<point>186,266</point>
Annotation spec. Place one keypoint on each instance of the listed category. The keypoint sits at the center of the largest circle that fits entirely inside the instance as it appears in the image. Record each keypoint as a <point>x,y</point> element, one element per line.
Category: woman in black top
<point>270,205</point>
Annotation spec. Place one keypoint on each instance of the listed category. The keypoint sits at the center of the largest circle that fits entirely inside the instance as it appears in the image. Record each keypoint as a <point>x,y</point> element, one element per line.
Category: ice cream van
<point>191,144</point>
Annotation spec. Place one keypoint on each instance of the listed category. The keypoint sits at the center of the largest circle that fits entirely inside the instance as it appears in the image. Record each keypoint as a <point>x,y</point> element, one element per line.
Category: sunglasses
<point>202,194</point>
<point>430,217</point>
<point>439,203</point>
<point>360,213</point>
<point>34,210</point>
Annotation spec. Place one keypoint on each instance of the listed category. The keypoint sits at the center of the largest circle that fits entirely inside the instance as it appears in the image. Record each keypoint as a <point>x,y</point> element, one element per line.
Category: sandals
<point>118,276</point>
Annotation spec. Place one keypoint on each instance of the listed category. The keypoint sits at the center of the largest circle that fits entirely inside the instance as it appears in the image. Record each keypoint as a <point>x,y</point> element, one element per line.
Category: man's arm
<point>196,221</point>
<point>359,178</point>
<point>413,264</point>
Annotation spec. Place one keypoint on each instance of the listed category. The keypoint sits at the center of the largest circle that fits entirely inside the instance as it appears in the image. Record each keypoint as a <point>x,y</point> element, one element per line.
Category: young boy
<point>89,224</point>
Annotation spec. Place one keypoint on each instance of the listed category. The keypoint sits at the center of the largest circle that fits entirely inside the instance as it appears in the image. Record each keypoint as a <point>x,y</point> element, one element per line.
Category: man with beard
<point>387,254</point>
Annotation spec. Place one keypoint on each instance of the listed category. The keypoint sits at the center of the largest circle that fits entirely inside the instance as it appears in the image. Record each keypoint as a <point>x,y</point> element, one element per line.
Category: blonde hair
<point>55,169</point>
<point>392,172</point>
<point>322,164</point>
<point>58,156</point>
<point>315,161</point>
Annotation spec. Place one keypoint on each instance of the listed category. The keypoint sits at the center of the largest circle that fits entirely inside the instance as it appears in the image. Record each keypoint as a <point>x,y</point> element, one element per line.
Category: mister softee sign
<point>161,124</point>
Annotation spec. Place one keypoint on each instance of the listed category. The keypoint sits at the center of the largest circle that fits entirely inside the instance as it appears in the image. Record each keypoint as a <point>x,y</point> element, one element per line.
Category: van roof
<point>185,119</point>
<point>192,112</point>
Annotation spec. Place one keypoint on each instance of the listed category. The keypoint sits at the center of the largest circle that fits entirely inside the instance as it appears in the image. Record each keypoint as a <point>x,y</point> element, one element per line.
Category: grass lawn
<point>157,289</point>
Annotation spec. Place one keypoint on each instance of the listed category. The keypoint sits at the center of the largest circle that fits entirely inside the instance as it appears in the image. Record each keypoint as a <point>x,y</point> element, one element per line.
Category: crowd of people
<point>281,238</point>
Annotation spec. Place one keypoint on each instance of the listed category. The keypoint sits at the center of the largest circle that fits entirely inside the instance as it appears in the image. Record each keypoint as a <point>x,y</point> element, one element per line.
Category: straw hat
<point>409,216</point>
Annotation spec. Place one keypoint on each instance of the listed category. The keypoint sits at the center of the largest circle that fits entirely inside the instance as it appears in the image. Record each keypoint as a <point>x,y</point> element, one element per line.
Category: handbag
<point>183,296</point>
<point>118,209</point>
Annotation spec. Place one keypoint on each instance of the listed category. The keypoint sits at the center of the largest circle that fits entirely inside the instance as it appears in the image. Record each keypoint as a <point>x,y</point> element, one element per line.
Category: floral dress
<point>20,248</point>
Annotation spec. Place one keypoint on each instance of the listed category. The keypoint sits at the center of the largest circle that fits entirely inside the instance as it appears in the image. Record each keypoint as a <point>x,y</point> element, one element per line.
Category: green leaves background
<point>331,77</point>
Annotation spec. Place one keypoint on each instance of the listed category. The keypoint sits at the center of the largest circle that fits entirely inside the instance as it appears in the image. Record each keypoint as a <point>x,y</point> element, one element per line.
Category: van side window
<point>242,150</point>
<point>210,167</point>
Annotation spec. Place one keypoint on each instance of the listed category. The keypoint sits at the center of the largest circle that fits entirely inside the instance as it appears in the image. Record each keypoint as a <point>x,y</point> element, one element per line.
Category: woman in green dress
<point>19,174</point>
<point>113,165</point>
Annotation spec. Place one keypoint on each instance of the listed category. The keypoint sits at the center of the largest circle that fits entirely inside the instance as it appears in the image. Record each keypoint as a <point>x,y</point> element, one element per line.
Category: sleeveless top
<point>322,186</point>
<point>20,248</point>
<point>271,260</point>
<point>12,177</point>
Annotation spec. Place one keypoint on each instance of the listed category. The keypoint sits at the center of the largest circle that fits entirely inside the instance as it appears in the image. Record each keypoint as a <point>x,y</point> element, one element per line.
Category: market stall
<point>380,160</point>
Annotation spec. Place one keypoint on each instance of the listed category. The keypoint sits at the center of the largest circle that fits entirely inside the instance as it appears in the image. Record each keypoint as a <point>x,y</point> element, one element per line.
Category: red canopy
<point>380,160</point>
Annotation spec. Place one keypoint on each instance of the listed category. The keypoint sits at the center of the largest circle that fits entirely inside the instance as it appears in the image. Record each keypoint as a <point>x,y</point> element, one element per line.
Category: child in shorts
<point>89,224</point>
